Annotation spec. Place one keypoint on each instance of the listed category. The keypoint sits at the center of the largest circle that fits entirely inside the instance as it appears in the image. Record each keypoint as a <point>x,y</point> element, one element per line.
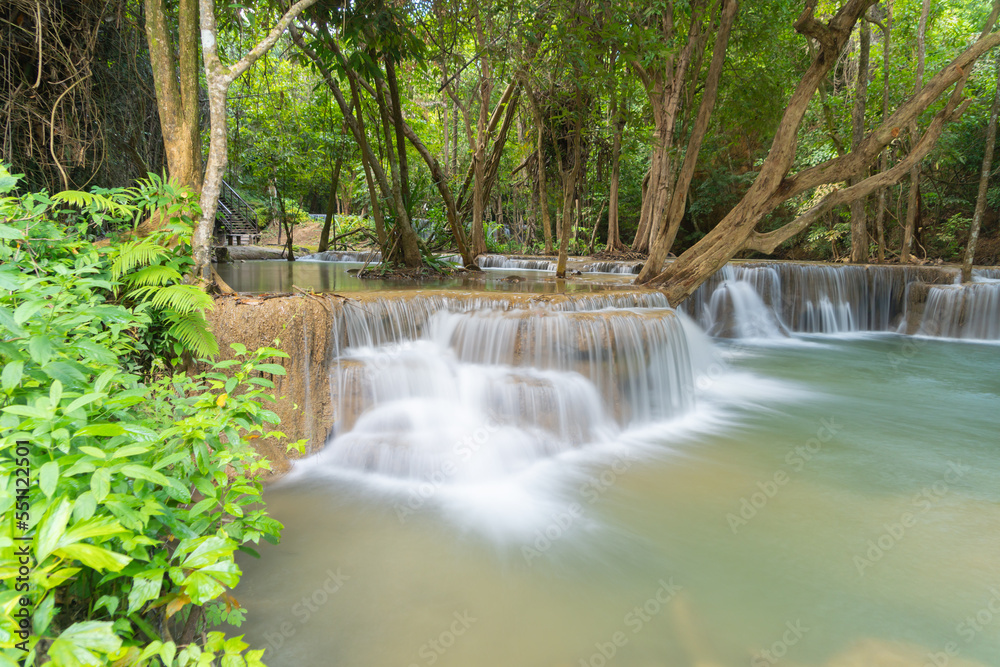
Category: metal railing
<point>230,204</point>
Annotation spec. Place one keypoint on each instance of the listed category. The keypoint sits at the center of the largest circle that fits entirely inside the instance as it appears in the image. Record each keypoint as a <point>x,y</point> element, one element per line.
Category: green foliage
<point>140,492</point>
<point>949,236</point>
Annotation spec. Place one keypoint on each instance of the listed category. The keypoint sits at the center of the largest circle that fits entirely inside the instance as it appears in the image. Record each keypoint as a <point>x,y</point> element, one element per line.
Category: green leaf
<point>130,450</point>
<point>136,471</point>
<point>48,477</point>
<point>96,557</point>
<point>86,399</point>
<point>105,429</point>
<point>100,484</point>
<point>24,312</point>
<point>273,369</point>
<point>11,376</point>
<point>6,231</point>
<point>144,589</point>
<point>51,528</point>
<point>40,349</point>
<point>76,645</point>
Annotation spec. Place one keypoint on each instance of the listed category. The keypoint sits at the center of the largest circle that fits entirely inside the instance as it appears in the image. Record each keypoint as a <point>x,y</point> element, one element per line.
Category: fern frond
<point>157,274</point>
<point>136,253</point>
<point>192,331</point>
<point>182,298</point>
<point>87,199</point>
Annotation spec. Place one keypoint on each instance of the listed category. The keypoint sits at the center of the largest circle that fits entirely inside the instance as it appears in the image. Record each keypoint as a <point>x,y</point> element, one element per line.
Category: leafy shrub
<point>139,491</point>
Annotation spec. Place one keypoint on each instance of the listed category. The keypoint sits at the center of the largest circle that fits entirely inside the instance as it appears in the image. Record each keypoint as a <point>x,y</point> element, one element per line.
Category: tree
<point>177,87</point>
<point>984,181</point>
<point>218,79</point>
<point>665,219</point>
<point>859,220</point>
<point>775,185</point>
<point>913,202</point>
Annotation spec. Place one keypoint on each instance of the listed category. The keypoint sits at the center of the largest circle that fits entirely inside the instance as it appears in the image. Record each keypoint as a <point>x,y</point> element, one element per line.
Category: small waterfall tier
<point>969,311</point>
<point>479,387</point>
<point>774,298</point>
<point>626,268</point>
<point>369,256</point>
<point>514,263</point>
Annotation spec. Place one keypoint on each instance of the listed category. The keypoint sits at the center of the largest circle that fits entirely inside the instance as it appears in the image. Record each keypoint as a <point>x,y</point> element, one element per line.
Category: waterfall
<point>806,298</point>
<point>969,311</point>
<point>473,386</point>
<point>504,262</point>
<point>612,267</point>
<point>368,256</point>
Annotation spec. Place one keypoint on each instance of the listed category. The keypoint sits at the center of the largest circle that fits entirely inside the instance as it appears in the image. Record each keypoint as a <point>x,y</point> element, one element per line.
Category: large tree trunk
<point>409,245</point>
<point>543,188</point>
<point>177,87</point>
<point>397,122</point>
<point>479,194</point>
<point>570,175</point>
<point>664,85</point>
<point>331,207</point>
<point>773,185</point>
<point>614,235</point>
<point>913,202</point>
<point>678,201</point>
<point>859,220</point>
<point>984,181</point>
<point>884,157</point>
<point>218,79</point>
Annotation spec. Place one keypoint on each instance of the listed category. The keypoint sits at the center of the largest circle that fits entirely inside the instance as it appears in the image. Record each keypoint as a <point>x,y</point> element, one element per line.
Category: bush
<point>129,487</point>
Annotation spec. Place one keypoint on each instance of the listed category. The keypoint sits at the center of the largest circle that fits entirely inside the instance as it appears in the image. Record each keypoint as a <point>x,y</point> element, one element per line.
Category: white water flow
<point>369,256</point>
<point>970,311</point>
<point>769,300</point>
<point>523,264</point>
<point>422,384</point>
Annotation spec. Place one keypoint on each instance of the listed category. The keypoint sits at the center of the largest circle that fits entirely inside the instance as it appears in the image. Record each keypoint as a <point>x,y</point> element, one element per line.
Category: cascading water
<point>504,262</point>
<point>969,311</point>
<point>369,256</point>
<point>416,378</point>
<point>806,298</point>
<point>612,267</point>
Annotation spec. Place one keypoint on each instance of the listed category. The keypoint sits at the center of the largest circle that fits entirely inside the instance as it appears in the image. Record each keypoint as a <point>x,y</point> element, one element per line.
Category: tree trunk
<point>859,220</point>
<point>913,203</point>
<point>884,158</point>
<point>543,188</point>
<point>678,201</point>
<point>482,138</point>
<point>407,236</point>
<point>614,237</point>
<point>331,208</point>
<point>664,85</point>
<point>984,181</point>
<point>397,121</point>
<point>570,176</point>
<point>177,87</point>
<point>218,79</point>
